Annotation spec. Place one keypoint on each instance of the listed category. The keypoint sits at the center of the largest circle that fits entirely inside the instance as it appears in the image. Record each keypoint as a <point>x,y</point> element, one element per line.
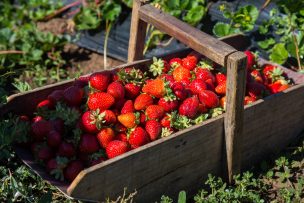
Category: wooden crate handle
<point>210,47</point>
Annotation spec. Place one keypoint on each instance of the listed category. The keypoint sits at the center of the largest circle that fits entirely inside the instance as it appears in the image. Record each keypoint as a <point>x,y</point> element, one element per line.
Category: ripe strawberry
<point>256,76</point>
<point>221,88</point>
<point>56,166</point>
<point>274,87</point>
<point>88,144</point>
<point>159,66</point>
<point>48,104</point>
<point>210,85</point>
<point>132,90</point>
<point>153,129</point>
<point>278,86</point>
<point>142,118</point>
<point>283,87</point>
<point>56,96</point>
<point>168,105</point>
<point>189,107</point>
<point>105,136</point>
<point>128,107</point>
<point>189,62</point>
<point>82,81</point>
<point>273,73</point>
<point>250,59</point>
<point>40,129</point>
<point>202,108</point>
<point>180,73</point>
<point>223,102</point>
<point>155,112</point>
<point>116,148</point>
<point>122,137</point>
<point>116,90</point>
<point>179,90</point>
<point>54,139</point>
<point>204,74</point>
<point>66,149</point>
<point>220,77</point>
<point>155,88</point>
<point>119,104</point>
<point>248,100</point>
<point>73,169</point>
<point>138,137</point>
<point>175,62</point>
<point>197,85</point>
<point>120,128</point>
<point>167,78</point>
<point>100,80</point>
<point>166,121</point>
<point>45,153</point>
<point>129,120</point>
<point>108,117</point>
<point>100,100</point>
<point>88,121</point>
<point>209,98</point>
<point>142,101</point>
<point>73,95</point>
<point>255,89</point>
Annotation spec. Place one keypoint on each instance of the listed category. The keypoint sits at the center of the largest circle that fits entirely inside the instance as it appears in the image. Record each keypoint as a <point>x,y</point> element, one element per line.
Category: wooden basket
<point>183,160</point>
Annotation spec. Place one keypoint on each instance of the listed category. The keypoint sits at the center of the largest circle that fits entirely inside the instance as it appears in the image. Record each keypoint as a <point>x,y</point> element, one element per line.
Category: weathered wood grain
<point>201,42</point>
<point>137,34</point>
<point>236,77</point>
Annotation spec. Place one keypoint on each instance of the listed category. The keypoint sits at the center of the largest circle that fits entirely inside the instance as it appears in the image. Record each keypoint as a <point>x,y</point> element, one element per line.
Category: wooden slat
<point>137,34</point>
<point>236,76</point>
<point>201,42</point>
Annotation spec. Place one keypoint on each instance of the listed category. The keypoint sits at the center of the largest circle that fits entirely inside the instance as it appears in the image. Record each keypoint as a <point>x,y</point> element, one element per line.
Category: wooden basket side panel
<point>162,167</point>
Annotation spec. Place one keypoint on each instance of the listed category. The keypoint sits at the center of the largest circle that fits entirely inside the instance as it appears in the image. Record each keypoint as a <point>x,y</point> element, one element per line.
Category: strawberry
<point>48,104</point>
<point>142,118</point>
<point>131,75</point>
<point>250,60</point>
<point>120,128</point>
<point>189,62</point>
<point>129,120</point>
<point>56,166</point>
<point>248,100</point>
<point>179,90</point>
<point>167,78</point>
<point>204,74</point>
<point>155,88</point>
<point>132,90</point>
<point>159,66</point>
<point>256,76</point>
<point>73,169</point>
<point>105,136</point>
<point>138,137</point>
<point>82,81</point>
<point>116,148</point>
<point>274,87</point>
<point>40,129</point>
<point>100,100</point>
<point>220,77</point>
<point>155,112</point>
<point>221,88</point>
<point>175,62</point>
<point>210,85</point>
<point>278,86</point>
<point>97,158</point>
<point>195,54</point>
<point>189,107</point>
<point>142,101</point>
<point>66,149</point>
<point>273,73</point>
<point>116,90</point>
<point>209,98</point>
<point>88,121</point>
<point>45,153</point>
<point>255,89</point>
<point>73,95</point>
<point>119,104</point>
<point>108,117</point>
<point>56,96</point>
<point>153,129</point>
<point>202,108</point>
<point>166,121</point>
<point>122,137</point>
<point>180,73</point>
<point>168,105</point>
<point>57,125</point>
<point>283,87</point>
<point>128,107</point>
<point>54,139</point>
<point>88,144</point>
<point>100,80</point>
<point>197,85</point>
<point>223,102</point>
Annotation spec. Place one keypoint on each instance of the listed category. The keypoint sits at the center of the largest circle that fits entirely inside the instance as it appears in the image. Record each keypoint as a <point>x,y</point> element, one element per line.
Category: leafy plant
<point>242,20</point>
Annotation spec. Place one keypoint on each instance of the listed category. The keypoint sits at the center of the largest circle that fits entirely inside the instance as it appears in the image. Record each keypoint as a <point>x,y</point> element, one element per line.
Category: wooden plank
<point>201,42</point>
<point>137,34</point>
<point>236,77</point>
<point>182,159</point>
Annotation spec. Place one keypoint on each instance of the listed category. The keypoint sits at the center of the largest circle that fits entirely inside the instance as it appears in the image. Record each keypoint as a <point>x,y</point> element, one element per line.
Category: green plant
<point>242,20</point>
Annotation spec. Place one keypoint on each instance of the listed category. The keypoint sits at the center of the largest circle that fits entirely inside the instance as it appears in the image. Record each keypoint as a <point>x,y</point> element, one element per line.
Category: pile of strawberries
<point>109,113</point>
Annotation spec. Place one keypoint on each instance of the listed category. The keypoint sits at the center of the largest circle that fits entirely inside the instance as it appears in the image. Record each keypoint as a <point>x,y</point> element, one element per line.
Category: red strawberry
<point>129,120</point>
<point>159,66</point>
<point>132,90</point>
<point>73,169</point>
<point>155,112</point>
<point>166,121</point>
<point>82,81</point>
<point>179,90</point>
<point>220,77</point>
<point>45,104</point>
<point>105,136</point>
<point>142,101</point>
<point>256,76</point>
<point>175,62</point>
<point>168,105</point>
<point>122,137</point>
<point>197,85</point>
<point>255,89</point>
<point>66,149</point>
<point>189,107</point>
<point>100,80</point>
<point>116,148</point>
<point>88,144</point>
<point>202,108</point>
<point>273,73</point>
<point>142,118</point>
<point>73,95</point>
<point>120,127</point>
<point>54,139</point>
<point>210,85</point>
<point>274,87</point>
<point>189,62</point>
<point>180,73</point>
<point>204,74</point>
<point>108,117</point>
<point>167,78</point>
<point>155,88</point>
<point>223,102</point>
<point>221,88</point>
<point>89,122</point>
<point>250,59</point>
<point>128,107</point>
<point>119,104</point>
<point>56,166</point>
<point>40,129</point>
<point>56,96</point>
<point>153,129</point>
<point>116,90</point>
<point>248,100</point>
<point>209,98</point>
<point>138,137</point>
<point>45,153</point>
<point>100,100</point>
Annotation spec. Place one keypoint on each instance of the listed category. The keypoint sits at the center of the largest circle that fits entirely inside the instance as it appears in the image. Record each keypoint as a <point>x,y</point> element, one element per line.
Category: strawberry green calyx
<point>276,74</point>
<point>77,132</point>
<point>131,76</point>
<point>157,67</point>
<point>62,162</point>
<point>137,116</point>
<point>98,154</point>
<point>166,132</point>
<point>169,95</point>
<point>97,118</point>
<point>206,64</point>
<point>201,118</point>
<point>216,112</point>
<point>181,122</point>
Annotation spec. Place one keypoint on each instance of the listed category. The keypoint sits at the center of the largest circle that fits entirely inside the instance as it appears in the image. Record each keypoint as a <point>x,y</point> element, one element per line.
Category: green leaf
<point>111,11</point>
<point>182,197</point>
<point>46,198</point>
<point>266,43</point>
<point>222,29</point>
<point>195,15</point>
<point>279,54</point>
